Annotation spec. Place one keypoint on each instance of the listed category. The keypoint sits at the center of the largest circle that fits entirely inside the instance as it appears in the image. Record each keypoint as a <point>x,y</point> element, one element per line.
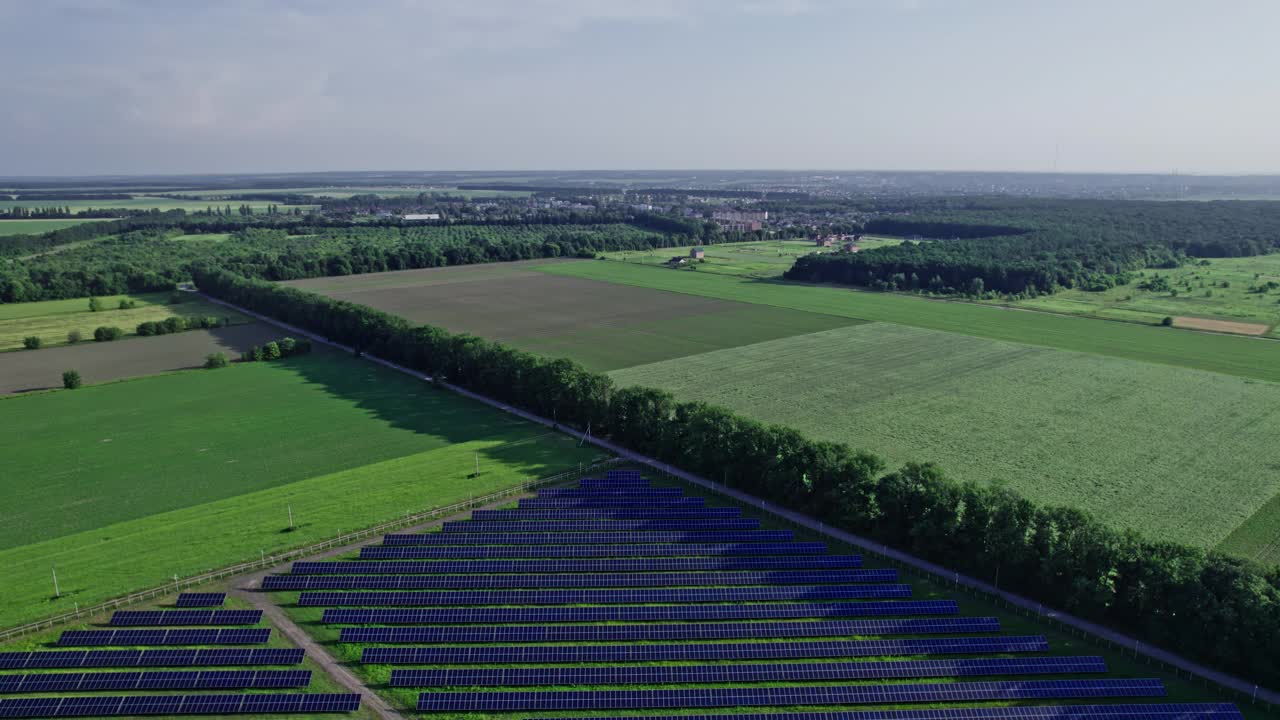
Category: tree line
<point>1218,609</point>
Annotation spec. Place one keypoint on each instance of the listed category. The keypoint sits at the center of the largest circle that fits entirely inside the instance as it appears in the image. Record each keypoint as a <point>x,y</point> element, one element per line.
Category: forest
<point>1032,247</point>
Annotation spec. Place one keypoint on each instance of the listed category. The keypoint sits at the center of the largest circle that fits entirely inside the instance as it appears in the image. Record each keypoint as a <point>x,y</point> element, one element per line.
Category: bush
<point>128,304</point>
<point>1167,321</point>
<point>214,361</point>
<point>271,351</point>
<point>174,324</point>
<point>94,304</point>
<point>31,342</point>
<point>74,336</point>
<point>107,334</point>
<point>70,379</point>
<point>148,328</point>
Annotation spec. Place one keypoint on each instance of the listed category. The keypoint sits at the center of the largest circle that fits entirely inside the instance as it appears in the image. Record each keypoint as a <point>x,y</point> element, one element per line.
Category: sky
<point>196,86</point>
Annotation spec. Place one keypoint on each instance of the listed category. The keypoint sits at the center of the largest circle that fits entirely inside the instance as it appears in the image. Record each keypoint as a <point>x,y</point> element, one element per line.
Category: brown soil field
<point>22,371</point>
<point>603,325</point>
<point>1225,326</point>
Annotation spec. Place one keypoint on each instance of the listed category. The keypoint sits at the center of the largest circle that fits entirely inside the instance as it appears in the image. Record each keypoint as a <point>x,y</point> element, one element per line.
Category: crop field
<point>602,325</point>
<point>35,227</point>
<point>51,320</point>
<point>749,259</point>
<point>1242,356</point>
<point>1061,428</point>
<point>145,202</point>
<point>124,485</point>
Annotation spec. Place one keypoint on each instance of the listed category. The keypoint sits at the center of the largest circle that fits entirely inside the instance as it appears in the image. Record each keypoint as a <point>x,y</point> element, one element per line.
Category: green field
<point>1133,443</point>
<point>1242,356</point>
<point>145,202</point>
<point>35,227</point>
<point>51,320</point>
<point>125,484</point>
<point>767,259</point>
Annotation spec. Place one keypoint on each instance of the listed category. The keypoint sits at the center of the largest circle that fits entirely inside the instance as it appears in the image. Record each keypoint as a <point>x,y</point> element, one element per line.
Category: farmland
<point>602,325</point>
<point>746,259</point>
<point>34,227</point>
<point>197,470</point>
<point>143,202</point>
<point>51,320</point>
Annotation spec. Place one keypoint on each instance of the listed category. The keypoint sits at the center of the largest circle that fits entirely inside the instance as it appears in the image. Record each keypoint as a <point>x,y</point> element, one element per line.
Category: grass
<point>35,227</point>
<point>146,202</point>
<point>767,259</point>
<point>51,320</point>
<point>1061,643</point>
<point>1242,356</point>
<point>1179,454</point>
<point>126,484</point>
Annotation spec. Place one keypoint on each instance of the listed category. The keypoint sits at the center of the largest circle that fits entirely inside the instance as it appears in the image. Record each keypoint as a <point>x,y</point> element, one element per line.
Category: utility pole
<point>290,506</point>
<point>56,592</point>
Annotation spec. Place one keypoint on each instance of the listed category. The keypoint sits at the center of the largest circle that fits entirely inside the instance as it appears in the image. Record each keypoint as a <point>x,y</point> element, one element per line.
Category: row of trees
<point>276,350</point>
<point>1223,611</point>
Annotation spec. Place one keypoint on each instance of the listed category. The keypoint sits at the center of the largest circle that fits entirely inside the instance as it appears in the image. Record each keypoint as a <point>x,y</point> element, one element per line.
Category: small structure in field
<point>698,253</point>
<point>421,216</point>
<point>824,241</point>
<point>851,247</point>
<point>677,261</point>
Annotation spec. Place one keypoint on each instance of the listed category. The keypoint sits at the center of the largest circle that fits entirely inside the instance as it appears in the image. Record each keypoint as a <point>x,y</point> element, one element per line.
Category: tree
<point>1167,321</point>
<point>70,379</point>
<point>214,361</point>
<point>271,351</point>
<point>74,336</point>
<point>127,304</point>
<point>31,342</point>
<point>94,304</point>
<point>107,334</point>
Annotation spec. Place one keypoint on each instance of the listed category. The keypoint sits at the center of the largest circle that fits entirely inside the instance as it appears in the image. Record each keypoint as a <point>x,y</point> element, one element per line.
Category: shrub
<point>74,336</point>
<point>174,324</point>
<point>271,351</point>
<point>149,328</point>
<point>215,360</point>
<point>288,346</point>
<point>94,304</point>
<point>31,342</point>
<point>70,379</point>
<point>128,304</point>
<point>107,334</point>
<point>1167,321</point>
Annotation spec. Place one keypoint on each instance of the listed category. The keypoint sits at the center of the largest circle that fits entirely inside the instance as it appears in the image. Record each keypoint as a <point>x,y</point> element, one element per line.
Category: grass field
<point>146,202</point>
<point>1242,356</point>
<point>35,227</point>
<point>126,484</point>
<point>602,325</point>
<point>51,320</point>
<point>750,259</point>
<point>1179,454</point>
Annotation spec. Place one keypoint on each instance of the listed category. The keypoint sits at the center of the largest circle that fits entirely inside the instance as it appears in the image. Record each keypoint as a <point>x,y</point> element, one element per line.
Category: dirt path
<point>246,588</point>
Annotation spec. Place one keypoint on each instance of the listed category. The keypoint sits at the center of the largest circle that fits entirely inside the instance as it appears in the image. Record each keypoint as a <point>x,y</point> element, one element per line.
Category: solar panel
<point>647,565</point>
<point>636,490</point>
<point>638,613</point>
<point>385,552</point>
<point>128,705</point>
<point>186,617</point>
<point>190,600</point>
<point>588,538</point>
<point>148,658</point>
<point>190,680</point>
<point>576,580</point>
<point>164,637</point>
<point>598,597</point>
<point>654,632</point>
<point>700,651</point>
<point>609,502</point>
<point>607,514</point>
<point>593,526</point>
<point>755,673</point>
<point>1146,711</point>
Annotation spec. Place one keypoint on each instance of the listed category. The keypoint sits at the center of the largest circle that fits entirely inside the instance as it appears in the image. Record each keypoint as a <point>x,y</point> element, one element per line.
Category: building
<point>422,216</point>
<point>824,241</point>
<point>739,226</point>
<point>677,260</point>
<point>741,216</point>
<point>697,253</point>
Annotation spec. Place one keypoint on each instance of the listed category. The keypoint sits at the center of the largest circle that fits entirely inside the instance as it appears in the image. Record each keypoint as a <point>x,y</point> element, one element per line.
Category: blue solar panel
<point>576,580</point>
<point>805,695</point>
<point>654,632</point>
<point>754,673</point>
<point>1146,711</point>
<point>587,538</point>
<point>597,597</point>
<point>609,502</point>
<point>385,552</point>
<point>495,567</point>
<point>639,613</point>
<point>148,658</point>
<point>607,514</point>
<point>164,637</point>
<point>597,526</point>
<point>190,600</point>
<point>190,680</point>
<point>186,617</point>
<point>502,654</point>
<point>637,491</point>
<point>129,705</point>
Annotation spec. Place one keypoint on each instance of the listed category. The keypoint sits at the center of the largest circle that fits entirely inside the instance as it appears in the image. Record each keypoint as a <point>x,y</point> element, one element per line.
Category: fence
<point>269,561</point>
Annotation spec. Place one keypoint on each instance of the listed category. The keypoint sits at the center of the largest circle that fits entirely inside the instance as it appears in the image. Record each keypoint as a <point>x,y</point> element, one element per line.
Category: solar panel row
<point>1149,711</point>
<point>576,580</point>
<point>584,526</point>
<point>755,673</point>
<point>652,632</point>
<point>588,538</point>
<point>385,552</point>
<point>645,565</point>
<point>596,597</point>
<point>188,680</point>
<point>164,637</point>
<point>699,651</point>
<point>638,613</point>
<point>190,600</point>
<point>607,514</point>
<point>207,657</point>
<point>611,490</point>
<point>186,617</point>
<point>541,503</point>
<point>230,704</point>
<point>765,696</point>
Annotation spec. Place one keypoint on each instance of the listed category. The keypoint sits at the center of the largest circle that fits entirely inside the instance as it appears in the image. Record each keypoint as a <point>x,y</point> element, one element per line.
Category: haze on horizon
<point>147,86</point>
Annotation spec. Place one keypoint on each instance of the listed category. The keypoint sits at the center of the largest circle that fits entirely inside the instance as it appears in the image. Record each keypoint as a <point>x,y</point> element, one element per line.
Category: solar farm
<point>617,598</point>
<point>154,662</point>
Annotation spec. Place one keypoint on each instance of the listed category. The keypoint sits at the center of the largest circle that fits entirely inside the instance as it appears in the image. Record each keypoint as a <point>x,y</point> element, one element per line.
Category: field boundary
<point>270,561</point>
<point>1063,621</point>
